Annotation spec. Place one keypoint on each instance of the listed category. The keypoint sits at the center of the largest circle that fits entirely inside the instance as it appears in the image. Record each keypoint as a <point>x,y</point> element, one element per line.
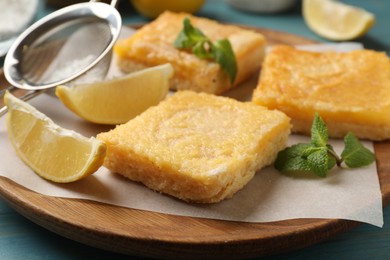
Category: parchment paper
<point>270,196</point>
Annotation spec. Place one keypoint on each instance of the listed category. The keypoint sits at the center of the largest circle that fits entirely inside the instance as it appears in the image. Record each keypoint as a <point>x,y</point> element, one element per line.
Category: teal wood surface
<point>22,239</point>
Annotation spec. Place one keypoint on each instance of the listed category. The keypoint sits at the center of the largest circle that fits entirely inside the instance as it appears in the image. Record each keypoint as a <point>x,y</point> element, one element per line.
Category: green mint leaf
<point>193,39</point>
<point>202,50</point>
<point>291,159</point>
<point>319,157</point>
<point>319,132</point>
<point>193,33</point>
<point>355,154</point>
<point>318,162</point>
<point>310,149</point>
<point>332,162</point>
<point>182,41</point>
<point>188,36</point>
<point>225,57</point>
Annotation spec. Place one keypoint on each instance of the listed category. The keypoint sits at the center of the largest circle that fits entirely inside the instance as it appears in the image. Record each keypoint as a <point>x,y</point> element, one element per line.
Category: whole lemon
<point>152,8</point>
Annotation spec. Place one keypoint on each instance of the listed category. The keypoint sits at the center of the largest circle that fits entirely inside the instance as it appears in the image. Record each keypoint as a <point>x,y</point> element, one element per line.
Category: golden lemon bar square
<point>197,147</point>
<point>350,91</point>
<point>153,45</point>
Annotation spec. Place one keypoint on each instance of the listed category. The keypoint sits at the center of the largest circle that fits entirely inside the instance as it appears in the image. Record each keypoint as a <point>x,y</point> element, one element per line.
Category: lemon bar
<point>197,147</point>
<point>350,91</point>
<point>153,45</point>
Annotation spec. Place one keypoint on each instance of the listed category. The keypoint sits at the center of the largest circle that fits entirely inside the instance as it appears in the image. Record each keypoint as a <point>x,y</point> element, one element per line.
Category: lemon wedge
<point>336,21</point>
<point>54,153</point>
<point>118,100</point>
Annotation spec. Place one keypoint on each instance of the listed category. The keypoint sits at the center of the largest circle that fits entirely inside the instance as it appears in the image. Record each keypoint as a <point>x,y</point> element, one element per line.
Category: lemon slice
<point>336,21</point>
<point>54,153</point>
<point>118,100</point>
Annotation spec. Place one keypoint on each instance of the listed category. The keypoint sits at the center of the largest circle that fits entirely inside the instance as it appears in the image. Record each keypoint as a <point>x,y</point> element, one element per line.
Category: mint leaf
<point>355,154</point>
<point>182,41</point>
<point>202,50</point>
<point>319,132</point>
<point>189,36</point>
<point>192,39</point>
<point>318,162</point>
<point>224,55</point>
<point>319,157</point>
<point>193,33</point>
<point>331,162</point>
<point>291,159</point>
<point>310,149</point>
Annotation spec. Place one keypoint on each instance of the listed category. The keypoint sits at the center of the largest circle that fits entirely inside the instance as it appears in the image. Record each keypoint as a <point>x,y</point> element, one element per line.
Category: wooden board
<point>143,233</point>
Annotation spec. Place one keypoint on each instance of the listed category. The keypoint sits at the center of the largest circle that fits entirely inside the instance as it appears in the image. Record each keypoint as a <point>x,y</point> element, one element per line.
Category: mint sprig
<point>355,155</point>
<point>319,157</point>
<point>192,39</point>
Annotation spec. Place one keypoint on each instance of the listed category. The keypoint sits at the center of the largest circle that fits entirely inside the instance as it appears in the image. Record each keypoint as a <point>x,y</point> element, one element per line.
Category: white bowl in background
<point>262,6</point>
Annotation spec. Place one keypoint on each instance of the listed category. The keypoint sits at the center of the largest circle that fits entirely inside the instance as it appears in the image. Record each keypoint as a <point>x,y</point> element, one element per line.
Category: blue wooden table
<point>23,239</point>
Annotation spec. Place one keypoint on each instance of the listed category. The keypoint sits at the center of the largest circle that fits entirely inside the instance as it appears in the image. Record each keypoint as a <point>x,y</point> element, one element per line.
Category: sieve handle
<point>29,95</point>
<point>113,2</point>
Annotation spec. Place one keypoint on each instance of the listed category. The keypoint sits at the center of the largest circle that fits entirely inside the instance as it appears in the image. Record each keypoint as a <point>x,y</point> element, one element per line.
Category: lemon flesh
<point>336,21</point>
<point>118,100</point>
<point>54,153</point>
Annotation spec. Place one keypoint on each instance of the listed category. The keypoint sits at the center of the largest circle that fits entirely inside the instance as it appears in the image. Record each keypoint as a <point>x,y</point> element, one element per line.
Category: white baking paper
<point>270,196</point>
